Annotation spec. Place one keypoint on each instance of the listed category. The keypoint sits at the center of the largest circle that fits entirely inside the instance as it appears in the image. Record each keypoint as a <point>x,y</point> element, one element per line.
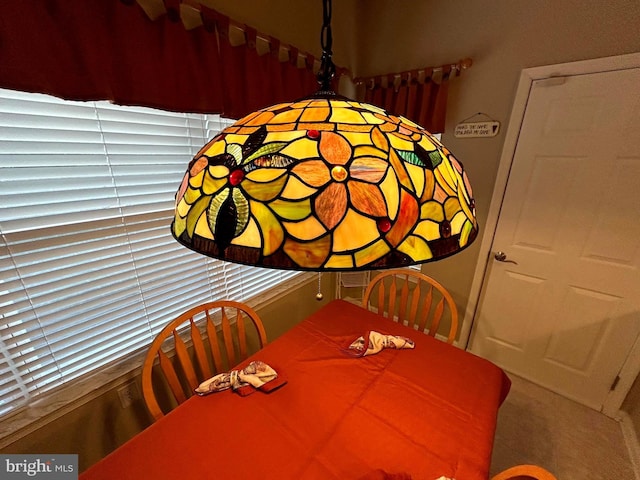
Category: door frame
<point>631,367</point>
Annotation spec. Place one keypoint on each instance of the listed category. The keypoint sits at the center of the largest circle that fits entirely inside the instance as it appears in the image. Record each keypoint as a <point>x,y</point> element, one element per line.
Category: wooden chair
<point>524,472</point>
<point>418,299</point>
<point>195,363</point>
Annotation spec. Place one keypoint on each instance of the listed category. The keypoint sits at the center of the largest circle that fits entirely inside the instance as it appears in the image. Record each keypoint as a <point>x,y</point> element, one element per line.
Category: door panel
<point>567,314</point>
<point>609,239</point>
<point>527,289</point>
<point>550,178</point>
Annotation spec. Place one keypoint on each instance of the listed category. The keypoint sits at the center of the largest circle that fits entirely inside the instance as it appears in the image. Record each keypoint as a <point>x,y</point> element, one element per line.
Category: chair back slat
<point>437,316</point>
<point>415,302</point>
<point>426,309</point>
<point>193,350</point>
<point>242,336</point>
<point>185,361</point>
<point>201,354</point>
<point>381,293</point>
<point>212,334</point>
<point>415,298</point>
<point>228,339</point>
<point>404,296</point>
<point>393,289</point>
<point>172,377</point>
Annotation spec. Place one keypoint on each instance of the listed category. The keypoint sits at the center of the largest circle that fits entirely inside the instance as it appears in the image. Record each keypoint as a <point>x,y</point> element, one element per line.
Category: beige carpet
<point>568,439</point>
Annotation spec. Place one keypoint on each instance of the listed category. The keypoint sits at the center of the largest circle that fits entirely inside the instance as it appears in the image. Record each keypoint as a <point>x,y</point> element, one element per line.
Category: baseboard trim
<point>631,440</point>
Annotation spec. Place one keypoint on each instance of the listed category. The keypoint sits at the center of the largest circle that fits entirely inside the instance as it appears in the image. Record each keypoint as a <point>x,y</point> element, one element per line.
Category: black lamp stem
<point>327,68</point>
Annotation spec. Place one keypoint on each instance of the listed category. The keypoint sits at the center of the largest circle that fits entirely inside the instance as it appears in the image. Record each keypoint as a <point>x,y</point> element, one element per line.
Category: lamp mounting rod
<point>327,68</point>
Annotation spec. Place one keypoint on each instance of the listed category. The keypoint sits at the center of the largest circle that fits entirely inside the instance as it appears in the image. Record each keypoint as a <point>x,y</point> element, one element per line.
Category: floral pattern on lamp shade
<point>325,184</point>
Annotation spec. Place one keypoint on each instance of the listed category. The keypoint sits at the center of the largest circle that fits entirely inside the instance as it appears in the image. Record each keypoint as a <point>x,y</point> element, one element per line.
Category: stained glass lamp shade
<point>325,184</point>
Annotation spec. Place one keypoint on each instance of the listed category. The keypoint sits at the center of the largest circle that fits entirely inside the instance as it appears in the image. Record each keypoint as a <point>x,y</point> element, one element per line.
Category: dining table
<point>427,412</point>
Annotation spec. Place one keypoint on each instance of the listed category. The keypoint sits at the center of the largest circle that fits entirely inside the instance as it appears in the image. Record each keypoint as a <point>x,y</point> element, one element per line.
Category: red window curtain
<point>252,81</point>
<point>90,50</point>
<point>418,97</point>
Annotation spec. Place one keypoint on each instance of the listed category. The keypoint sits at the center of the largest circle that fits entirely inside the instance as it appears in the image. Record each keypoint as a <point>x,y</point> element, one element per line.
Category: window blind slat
<point>89,269</point>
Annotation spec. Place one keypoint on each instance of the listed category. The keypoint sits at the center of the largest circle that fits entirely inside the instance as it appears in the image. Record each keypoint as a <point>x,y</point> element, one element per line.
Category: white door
<point>567,313</point>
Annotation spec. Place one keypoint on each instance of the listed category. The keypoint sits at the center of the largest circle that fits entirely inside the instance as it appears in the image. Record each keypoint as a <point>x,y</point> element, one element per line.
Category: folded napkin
<point>374,342</point>
<point>255,376</point>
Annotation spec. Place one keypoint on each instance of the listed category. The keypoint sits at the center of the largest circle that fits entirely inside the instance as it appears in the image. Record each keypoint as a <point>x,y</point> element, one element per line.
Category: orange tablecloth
<point>427,412</point>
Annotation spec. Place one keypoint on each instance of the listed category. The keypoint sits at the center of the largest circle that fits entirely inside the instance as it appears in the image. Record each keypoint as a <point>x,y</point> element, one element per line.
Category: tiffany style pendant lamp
<point>325,183</point>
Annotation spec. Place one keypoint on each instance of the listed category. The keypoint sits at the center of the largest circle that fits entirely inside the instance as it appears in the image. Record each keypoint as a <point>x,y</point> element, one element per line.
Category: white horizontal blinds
<point>85,307</point>
<point>89,269</point>
<point>214,124</point>
<point>171,278</point>
<point>148,151</point>
<point>67,177</point>
<point>53,171</point>
<point>83,286</point>
<point>243,282</point>
<point>15,309</point>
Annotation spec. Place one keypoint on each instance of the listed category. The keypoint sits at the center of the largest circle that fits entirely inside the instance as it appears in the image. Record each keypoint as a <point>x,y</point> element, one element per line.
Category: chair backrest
<point>524,472</point>
<point>195,339</point>
<point>411,297</point>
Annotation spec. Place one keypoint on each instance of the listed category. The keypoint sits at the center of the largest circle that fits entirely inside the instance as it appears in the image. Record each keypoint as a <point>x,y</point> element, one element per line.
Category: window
<point>89,271</point>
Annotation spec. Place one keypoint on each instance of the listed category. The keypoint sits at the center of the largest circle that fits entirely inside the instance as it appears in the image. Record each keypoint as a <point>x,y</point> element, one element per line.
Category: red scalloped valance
<point>113,50</point>
<point>110,50</point>
<point>419,95</point>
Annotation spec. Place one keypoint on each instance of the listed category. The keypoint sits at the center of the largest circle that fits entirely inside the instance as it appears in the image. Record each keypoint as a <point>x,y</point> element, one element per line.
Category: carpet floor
<point>570,440</point>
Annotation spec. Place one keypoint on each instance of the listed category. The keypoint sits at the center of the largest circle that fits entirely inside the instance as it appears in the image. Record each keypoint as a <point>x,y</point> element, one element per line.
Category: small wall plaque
<point>477,129</point>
